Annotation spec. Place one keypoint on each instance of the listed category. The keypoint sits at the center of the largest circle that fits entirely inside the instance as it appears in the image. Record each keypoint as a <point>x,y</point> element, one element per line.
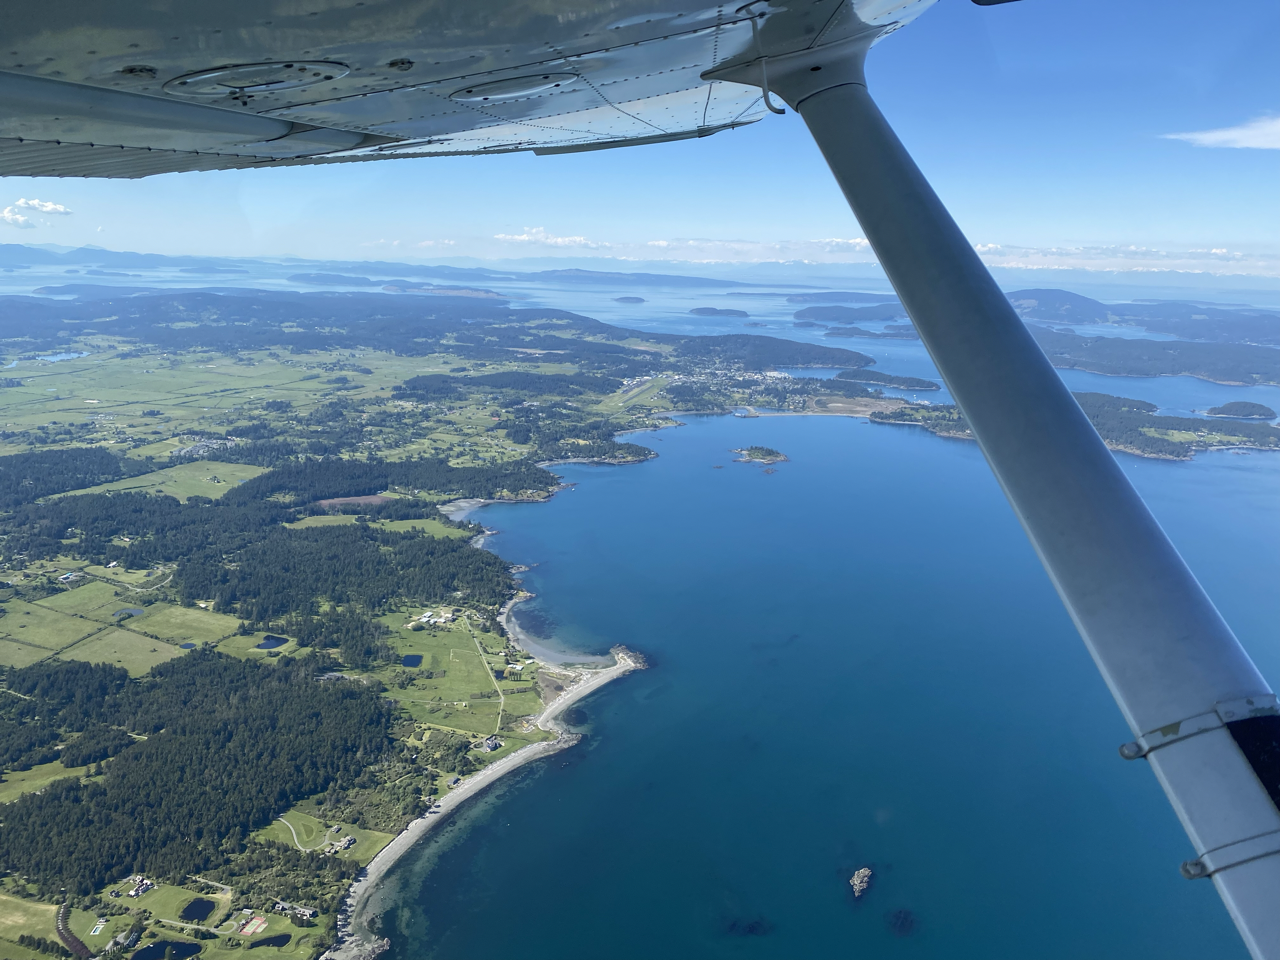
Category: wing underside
<point>96,90</point>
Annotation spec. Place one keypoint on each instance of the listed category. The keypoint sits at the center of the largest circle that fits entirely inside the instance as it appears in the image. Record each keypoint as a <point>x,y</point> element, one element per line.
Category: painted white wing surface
<point>127,90</point>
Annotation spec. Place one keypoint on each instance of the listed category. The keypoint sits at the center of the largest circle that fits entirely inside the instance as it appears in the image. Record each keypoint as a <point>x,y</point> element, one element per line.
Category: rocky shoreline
<point>354,941</point>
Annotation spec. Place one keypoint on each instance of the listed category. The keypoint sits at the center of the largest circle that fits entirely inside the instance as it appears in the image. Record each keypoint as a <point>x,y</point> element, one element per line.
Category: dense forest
<point>559,431</point>
<point>1118,356</point>
<point>25,477</point>
<point>887,380</point>
<point>441,386</point>
<point>1243,408</point>
<point>230,744</point>
<point>285,570</point>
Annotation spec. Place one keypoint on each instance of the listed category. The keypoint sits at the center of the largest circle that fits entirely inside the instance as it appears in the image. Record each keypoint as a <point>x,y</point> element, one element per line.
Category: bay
<point>857,661</point>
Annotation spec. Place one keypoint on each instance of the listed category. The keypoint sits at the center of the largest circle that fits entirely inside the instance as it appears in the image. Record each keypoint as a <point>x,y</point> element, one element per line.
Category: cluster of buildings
<point>141,886</point>
<point>432,618</point>
<point>306,913</point>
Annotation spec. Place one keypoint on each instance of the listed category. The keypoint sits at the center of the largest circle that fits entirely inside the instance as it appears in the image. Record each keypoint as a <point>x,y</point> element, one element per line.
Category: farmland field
<point>183,624</point>
<point>36,624</point>
<point>201,478</point>
<point>135,653</point>
<point>18,782</point>
<point>15,654</point>
<point>19,916</point>
<point>86,600</point>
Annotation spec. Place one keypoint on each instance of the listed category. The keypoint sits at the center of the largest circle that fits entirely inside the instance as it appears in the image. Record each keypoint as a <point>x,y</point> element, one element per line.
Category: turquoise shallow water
<point>857,660</point>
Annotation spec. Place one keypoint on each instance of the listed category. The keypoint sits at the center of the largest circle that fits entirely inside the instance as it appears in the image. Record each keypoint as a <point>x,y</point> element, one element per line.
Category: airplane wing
<point>89,89</point>
<point>92,89</point>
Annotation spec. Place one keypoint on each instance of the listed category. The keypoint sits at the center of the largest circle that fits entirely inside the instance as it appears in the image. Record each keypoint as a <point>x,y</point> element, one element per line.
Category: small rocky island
<point>760,455</point>
<point>1243,409</point>
<point>860,881</point>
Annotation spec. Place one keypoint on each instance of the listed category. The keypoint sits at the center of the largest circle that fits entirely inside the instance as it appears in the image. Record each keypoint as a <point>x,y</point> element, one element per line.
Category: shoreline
<point>355,943</point>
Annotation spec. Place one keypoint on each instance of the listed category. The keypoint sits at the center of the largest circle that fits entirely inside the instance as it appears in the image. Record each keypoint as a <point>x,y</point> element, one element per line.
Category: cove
<point>857,661</point>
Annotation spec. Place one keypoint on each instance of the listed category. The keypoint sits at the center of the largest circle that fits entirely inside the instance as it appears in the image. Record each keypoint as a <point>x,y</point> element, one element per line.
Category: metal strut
<point>1160,644</point>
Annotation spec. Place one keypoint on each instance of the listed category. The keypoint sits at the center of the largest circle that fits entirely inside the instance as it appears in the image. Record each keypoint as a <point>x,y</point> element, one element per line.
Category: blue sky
<point>1043,124</point>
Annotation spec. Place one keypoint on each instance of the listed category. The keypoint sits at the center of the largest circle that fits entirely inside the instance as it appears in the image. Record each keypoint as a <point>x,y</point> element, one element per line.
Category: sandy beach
<point>354,943</point>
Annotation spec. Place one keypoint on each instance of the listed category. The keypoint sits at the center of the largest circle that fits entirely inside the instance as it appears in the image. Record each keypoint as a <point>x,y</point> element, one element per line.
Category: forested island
<point>1131,426</point>
<point>1231,363</point>
<point>1243,409</point>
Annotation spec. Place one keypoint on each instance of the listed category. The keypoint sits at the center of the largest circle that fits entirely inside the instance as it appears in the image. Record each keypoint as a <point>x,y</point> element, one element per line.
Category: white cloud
<point>1260,134</point>
<point>702,250</point>
<point>1132,258</point>
<point>44,206</point>
<point>540,236</point>
<point>13,218</point>
<point>17,215</point>
<point>435,243</point>
<point>835,243</point>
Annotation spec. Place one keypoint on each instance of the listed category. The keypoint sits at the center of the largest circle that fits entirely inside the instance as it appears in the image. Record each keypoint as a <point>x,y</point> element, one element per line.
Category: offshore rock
<point>860,881</point>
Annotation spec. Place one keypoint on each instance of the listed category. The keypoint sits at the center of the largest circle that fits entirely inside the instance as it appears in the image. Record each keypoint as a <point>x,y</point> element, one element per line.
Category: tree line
<point>230,745</point>
<point>26,477</point>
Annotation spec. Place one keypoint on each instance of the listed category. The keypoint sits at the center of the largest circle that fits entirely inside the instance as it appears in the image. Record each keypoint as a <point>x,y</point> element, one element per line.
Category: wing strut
<point>1200,712</point>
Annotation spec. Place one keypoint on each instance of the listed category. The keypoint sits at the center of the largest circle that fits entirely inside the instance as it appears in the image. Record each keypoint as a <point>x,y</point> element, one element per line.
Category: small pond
<point>279,940</point>
<point>129,612</point>
<point>411,660</point>
<point>271,641</point>
<point>157,949</point>
<point>186,646</point>
<point>197,910</point>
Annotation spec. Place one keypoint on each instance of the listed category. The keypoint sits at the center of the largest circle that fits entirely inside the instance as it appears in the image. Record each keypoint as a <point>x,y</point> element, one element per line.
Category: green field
<point>90,598</point>
<point>184,391</point>
<point>83,922</point>
<point>202,478</point>
<point>164,901</point>
<point>447,700</point>
<point>244,647</point>
<point>17,782</point>
<point>135,653</point>
<point>15,654</point>
<point>38,625</point>
<point>432,528</point>
<point>19,916</point>
<point>313,832</point>
<point>183,624</point>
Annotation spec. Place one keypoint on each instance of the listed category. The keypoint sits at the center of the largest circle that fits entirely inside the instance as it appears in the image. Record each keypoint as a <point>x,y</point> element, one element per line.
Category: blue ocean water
<point>857,661</point>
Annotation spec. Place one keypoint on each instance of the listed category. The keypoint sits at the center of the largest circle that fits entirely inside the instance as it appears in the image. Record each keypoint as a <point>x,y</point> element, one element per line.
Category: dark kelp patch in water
<point>902,922</point>
<point>748,927</point>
